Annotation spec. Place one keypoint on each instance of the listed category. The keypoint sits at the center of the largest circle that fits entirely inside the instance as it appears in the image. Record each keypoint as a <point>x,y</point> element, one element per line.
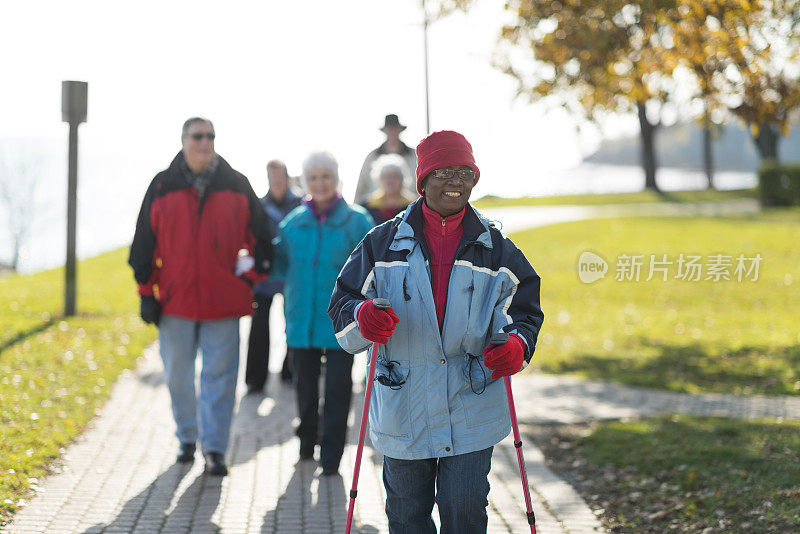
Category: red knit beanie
<point>442,149</point>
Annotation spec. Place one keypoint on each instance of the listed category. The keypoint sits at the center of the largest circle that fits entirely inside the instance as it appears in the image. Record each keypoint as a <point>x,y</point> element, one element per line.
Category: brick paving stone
<point>120,476</point>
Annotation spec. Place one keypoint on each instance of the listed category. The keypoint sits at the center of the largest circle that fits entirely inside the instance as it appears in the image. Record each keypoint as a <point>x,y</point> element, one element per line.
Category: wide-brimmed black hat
<point>391,121</point>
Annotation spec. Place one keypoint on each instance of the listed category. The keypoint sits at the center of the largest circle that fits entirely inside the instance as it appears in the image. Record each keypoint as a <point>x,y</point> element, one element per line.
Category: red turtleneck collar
<point>432,220</point>
<point>442,234</point>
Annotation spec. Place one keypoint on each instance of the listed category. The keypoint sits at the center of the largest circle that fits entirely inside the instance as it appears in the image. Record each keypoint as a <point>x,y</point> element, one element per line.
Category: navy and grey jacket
<point>432,396</point>
<point>276,211</point>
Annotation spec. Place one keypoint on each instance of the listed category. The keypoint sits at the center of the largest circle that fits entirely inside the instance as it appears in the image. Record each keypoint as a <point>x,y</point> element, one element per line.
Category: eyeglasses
<point>467,175</point>
<point>198,136</point>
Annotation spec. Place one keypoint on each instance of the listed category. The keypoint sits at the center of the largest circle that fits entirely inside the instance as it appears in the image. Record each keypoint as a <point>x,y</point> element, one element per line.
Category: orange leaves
<point>608,55</point>
<point>603,54</point>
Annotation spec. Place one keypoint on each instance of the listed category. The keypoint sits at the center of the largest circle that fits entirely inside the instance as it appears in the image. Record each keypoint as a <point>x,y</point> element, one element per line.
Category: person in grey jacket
<point>367,183</point>
<point>278,202</point>
<point>439,404</point>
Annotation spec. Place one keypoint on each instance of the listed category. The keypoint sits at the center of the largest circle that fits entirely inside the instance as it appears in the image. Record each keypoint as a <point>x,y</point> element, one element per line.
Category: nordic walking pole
<point>499,339</point>
<point>382,304</point>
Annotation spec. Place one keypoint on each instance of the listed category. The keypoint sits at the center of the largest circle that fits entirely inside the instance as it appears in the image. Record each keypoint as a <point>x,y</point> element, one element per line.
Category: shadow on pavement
<point>152,508</point>
<point>262,420</point>
<point>152,378</point>
<point>324,508</point>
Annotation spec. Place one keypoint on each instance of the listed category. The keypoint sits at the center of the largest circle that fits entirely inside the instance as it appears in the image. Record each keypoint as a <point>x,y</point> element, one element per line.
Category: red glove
<point>505,359</point>
<point>376,324</point>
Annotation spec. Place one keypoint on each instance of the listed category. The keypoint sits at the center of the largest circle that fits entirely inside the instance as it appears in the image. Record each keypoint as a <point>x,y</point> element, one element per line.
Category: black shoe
<point>252,389</point>
<point>186,453</point>
<point>286,376</point>
<point>215,464</point>
<point>330,471</point>
<point>306,454</point>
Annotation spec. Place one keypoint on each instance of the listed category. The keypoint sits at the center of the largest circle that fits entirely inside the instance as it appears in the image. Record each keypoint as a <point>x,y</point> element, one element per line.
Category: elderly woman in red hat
<point>439,406</point>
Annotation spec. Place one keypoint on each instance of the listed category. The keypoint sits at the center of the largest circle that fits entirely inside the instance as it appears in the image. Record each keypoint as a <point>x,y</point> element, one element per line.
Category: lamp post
<point>427,104</point>
<point>73,111</point>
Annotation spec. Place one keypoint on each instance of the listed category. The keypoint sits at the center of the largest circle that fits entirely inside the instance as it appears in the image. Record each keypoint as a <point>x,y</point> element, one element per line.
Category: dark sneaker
<point>307,454</point>
<point>215,464</point>
<point>286,377</point>
<point>330,471</point>
<point>253,389</point>
<point>286,370</point>
<point>186,453</point>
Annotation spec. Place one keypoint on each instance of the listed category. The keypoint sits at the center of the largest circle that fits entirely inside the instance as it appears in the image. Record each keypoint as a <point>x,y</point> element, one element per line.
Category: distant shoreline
<point>47,245</point>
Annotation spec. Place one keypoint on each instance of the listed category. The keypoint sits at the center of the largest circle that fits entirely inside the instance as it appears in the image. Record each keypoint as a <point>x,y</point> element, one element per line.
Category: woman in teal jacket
<point>314,242</point>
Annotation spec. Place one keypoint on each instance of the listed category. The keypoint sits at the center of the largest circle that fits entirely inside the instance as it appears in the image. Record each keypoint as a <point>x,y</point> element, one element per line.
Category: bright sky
<point>277,78</point>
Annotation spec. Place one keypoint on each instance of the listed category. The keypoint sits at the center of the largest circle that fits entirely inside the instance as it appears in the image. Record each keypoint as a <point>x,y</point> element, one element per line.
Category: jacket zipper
<point>441,263</point>
<point>197,237</point>
<point>313,293</point>
<point>459,252</point>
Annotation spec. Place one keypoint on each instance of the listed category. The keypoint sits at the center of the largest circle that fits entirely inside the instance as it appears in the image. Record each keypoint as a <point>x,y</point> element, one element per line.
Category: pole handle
<point>499,338</point>
<point>382,304</point>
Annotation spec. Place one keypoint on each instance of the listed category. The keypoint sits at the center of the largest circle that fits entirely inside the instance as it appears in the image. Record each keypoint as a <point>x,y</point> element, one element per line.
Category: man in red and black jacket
<point>202,239</point>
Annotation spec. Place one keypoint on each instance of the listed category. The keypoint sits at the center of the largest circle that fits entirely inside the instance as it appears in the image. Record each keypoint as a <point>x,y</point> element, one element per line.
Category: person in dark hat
<point>393,145</point>
<point>438,404</point>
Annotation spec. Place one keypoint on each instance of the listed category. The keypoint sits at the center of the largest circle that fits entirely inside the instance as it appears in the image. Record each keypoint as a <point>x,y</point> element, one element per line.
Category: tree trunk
<point>17,249</point>
<point>767,142</point>
<point>647,131</point>
<point>708,156</point>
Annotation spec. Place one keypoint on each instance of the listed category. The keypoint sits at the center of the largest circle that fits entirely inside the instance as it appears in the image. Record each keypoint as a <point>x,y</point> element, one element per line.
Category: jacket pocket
<point>480,394</point>
<point>476,375</point>
<point>169,291</point>
<point>390,405</point>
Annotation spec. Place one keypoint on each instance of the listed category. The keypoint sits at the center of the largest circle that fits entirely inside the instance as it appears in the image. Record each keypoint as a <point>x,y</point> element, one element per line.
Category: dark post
<point>73,111</point>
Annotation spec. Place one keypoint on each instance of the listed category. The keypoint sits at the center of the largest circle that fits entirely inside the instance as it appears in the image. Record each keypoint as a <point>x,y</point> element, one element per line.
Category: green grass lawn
<point>686,474</point>
<point>617,198</point>
<point>55,373</point>
<point>725,336</point>
<point>29,303</point>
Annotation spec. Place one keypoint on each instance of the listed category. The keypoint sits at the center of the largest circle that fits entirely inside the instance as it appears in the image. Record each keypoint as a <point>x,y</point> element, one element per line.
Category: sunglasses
<point>199,136</point>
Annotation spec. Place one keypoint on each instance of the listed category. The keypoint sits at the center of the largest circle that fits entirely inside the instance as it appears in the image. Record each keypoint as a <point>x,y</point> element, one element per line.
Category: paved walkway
<point>566,399</point>
<point>119,475</point>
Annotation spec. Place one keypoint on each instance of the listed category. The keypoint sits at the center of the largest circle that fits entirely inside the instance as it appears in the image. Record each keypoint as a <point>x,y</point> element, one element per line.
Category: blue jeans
<point>218,342</point>
<point>458,484</point>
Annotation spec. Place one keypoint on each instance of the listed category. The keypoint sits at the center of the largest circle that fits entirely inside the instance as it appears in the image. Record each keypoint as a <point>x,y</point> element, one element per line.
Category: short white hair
<point>390,163</point>
<point>321,159</point>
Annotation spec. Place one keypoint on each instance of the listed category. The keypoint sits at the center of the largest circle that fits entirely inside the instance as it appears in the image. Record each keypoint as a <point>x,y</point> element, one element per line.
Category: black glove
<point>150,310</point>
